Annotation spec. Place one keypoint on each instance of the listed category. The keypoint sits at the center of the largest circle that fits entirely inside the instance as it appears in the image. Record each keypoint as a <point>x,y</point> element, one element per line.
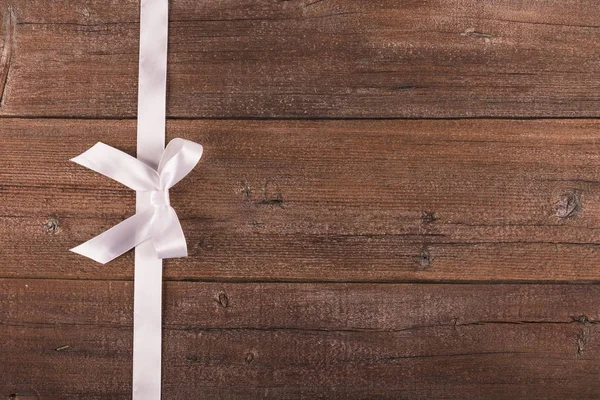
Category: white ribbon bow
<point>158,223</point>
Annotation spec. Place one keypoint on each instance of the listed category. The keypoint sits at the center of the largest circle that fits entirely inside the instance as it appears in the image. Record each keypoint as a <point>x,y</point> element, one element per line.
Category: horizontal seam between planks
<point>302,119</point>
<point>191,328</point>
<point>388,282</point>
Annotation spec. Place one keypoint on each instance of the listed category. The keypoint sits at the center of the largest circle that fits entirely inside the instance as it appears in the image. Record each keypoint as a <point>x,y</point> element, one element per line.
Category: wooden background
<point>399,199</point>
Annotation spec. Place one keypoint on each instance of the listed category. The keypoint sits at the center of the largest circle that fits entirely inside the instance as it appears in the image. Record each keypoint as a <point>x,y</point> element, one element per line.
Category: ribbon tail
<point>167,234</point>
<point>119,239</point>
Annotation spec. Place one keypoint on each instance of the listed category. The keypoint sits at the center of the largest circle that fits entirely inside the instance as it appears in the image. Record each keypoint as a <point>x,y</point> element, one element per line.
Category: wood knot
<point>471,32</point>
<point>246,191</point>
<point>582,319</point>
<point>569,205</point>
<point>582,341</point>
<point>29,394</point>
<point>250,356</point>
<point>198,245</point>
<point>256,224</point>
<point>428,217</point>
<point>425,258</point>
<point>52,226</point>
<point>194,358</point>
<point>223,300</point>
<point>271,197</point>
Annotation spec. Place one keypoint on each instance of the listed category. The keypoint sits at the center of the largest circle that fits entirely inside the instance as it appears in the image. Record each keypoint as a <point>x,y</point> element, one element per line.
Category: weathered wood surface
<point>72,340</point>
<point>305,236</point>
<point>329,59</point>
<point>478,200</point>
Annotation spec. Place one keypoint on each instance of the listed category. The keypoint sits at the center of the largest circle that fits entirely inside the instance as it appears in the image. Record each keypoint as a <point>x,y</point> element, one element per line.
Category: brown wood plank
<point>332,200</point>
<point>307,59</point>
<point>72,339</point>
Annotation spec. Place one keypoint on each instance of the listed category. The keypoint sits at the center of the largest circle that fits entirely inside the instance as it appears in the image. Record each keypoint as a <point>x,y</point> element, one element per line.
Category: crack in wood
<point>8,38</point>
<point>393,359</point>
<point>516,21</point>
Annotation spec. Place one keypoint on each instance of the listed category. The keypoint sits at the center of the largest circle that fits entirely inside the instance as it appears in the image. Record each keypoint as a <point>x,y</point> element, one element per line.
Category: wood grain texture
<point>307,238</point>
<point>312,59</point>
<point>72,339</point>
<point>479,200</point>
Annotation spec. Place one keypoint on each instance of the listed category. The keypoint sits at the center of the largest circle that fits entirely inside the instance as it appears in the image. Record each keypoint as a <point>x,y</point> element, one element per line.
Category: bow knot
<point>160,198</point>
<point>158,222</point>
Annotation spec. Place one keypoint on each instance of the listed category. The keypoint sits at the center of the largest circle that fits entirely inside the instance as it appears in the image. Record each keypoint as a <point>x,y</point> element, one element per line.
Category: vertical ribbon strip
<point>152,99</point>
<point>154,230</point>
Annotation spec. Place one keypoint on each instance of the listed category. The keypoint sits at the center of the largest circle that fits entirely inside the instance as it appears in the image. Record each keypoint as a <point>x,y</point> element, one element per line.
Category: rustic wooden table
<point>398,199</point>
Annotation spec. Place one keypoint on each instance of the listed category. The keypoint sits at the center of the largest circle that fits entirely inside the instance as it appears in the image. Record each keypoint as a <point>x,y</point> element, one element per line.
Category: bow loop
<point>179,159</point>
<point>159,222</point>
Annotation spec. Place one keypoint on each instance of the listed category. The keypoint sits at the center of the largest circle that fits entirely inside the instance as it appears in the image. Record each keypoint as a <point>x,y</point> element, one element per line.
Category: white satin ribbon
<point>154,230</point>
<point>159,222</point>
<point>147,293</point>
